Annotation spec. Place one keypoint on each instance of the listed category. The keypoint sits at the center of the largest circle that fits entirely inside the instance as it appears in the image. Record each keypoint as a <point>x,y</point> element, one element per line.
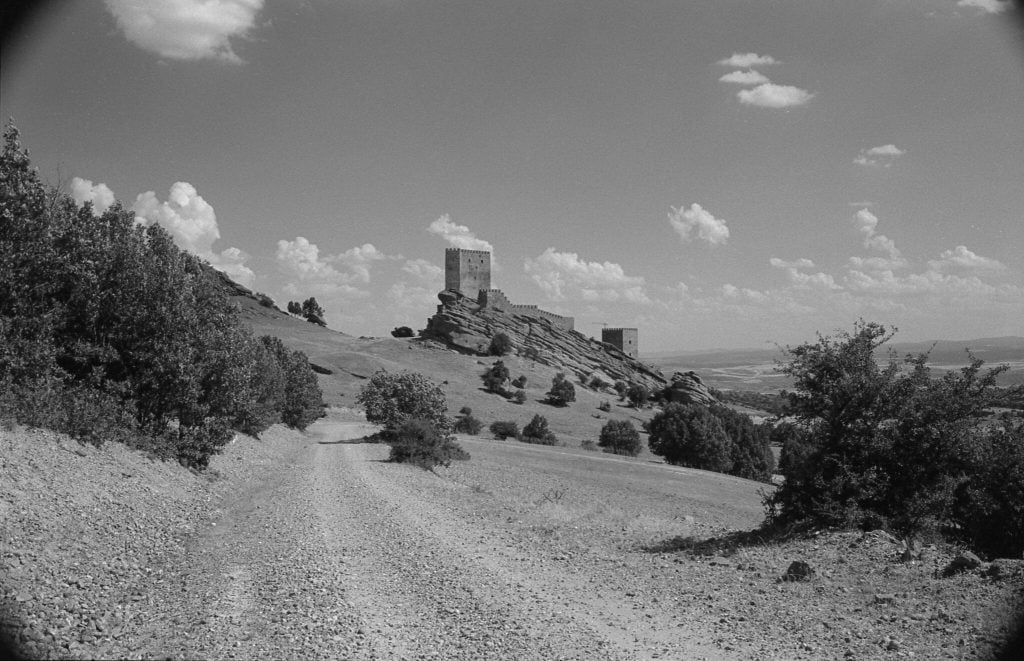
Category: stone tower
<point>626,339</point>
<point>467,271</point>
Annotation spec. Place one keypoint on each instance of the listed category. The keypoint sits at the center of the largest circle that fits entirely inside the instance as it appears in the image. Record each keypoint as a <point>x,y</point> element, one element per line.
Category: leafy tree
<point>750,450</point>
<point>312,311</point>
<point>519,396</point>
<point>621,387</point>
<point>390,399</point>
<point>562,391</point>
<point>503,429</point>
<point>638,395</point>
<point>536,432</point>
<point>690,435</point>
<point>466,423</point>
<point>294,307</point>
<point>418,441</point>
<point>519,382</point>
<point>620,437</point>
<point>500,345</point>
<point>402,331</point>
<point>495,377</point>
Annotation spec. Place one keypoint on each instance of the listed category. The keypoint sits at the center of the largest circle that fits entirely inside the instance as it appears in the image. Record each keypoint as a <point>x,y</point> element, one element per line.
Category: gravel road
<point>334,555</point>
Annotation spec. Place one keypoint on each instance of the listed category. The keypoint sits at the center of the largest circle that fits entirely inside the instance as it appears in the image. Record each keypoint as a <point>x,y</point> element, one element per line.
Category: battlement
<point>467,271</point>
<point>627,340</point>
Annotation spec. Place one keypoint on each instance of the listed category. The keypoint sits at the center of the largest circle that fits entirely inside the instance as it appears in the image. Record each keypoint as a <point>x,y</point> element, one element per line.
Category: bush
<point>500,345</point>
<point>519,382</point>
<point>418,441</point>
<point>589,445</point>
<point>495,377</point>
<point>621,387</point>
<point>519,396</point>
<point>690,435</point>
<point>605,406</point>
<point>391,399</point>
<point>537,432</point>
<point>467,424</point>
<point>638,395</point>
<point>562,391</point>
<point>620,437</point>
<point>504,429</point>
<point>885,444</point>
<point>402,331</point>
<point>751,451</point>
<point>597,383</point>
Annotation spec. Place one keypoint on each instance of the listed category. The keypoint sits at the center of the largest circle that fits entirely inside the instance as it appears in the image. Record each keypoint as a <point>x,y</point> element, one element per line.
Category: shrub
<point>597,383</point>
<point>495,377</point>
<point>562,391</point>
<point>467,424</point>
<point>500,345</point>
<point>690,435</point>
<point>313,312</point>
<point>504,429</point>
<point>589,445</point>
<point>605,406</point>
<point>294,307</point>
<point>402,331</point>
<point>638,395</point>
<point>536,432</point>
<point>620,437</point>
<point>519,396</point>
<point>418,441</point>
<point>519,382</point>
<point>390,399</point>
<point>751,452</point>
<point>621,387</point>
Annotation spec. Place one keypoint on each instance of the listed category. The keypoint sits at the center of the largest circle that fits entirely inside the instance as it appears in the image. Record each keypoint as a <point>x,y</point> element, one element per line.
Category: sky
<point>718,175</point>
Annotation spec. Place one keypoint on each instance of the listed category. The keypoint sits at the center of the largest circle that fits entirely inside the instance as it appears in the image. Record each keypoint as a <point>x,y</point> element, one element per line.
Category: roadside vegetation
<point>108,331</point>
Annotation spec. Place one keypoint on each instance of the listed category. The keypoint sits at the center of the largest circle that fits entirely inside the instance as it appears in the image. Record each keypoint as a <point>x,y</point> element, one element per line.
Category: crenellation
<point>624,339</point>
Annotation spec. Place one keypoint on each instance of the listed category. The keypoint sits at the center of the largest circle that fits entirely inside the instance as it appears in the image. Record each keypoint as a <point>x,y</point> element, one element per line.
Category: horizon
<point>723,178</point>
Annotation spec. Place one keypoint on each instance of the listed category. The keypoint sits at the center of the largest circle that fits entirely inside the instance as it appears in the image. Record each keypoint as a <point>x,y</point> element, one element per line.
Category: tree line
<point>108,331</point>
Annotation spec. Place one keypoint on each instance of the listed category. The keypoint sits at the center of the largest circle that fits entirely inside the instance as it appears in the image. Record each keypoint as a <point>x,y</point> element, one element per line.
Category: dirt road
<point>336,554</point>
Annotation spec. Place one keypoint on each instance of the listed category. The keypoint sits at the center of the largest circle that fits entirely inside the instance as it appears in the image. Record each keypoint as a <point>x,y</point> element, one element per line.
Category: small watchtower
<point>467,271</point>
<point>626,340</point>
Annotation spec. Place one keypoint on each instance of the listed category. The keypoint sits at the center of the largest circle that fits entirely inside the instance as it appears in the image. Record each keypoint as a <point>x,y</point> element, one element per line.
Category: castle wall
<point>467,271</point>
<point>627,340</point>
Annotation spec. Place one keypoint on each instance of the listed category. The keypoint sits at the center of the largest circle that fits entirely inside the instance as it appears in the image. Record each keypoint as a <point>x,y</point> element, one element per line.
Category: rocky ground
<point>311,546</point>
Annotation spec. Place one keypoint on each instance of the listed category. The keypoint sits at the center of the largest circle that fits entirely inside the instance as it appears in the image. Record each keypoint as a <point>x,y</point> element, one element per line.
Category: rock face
<point>463,324</point>
<point>687,388</point>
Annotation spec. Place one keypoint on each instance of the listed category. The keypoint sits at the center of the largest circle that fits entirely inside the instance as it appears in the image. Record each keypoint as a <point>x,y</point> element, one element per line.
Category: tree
<point>500,345</point>
<point>536,432</point>
<point>690,435</point>
<point>402,331</point>
<point>294,307</point>
<point>312,311</point>
<point>390,399</point>
<point>503,429</point>
<point>620,437</point>
<point>562,391</point>
<point>420,442</point>
<point>495,377</point>
<point>638,395</point>
<point>621,387</point>
<point>750,450</point>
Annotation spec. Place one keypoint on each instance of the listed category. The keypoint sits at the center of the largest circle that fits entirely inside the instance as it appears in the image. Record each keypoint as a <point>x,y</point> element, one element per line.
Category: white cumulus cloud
<point>748,77</point>
<point>988,6</point>
<point>770,95</point>
<point>192,222</point>
<point>563,275</point>
<point>423,270</point>
<point>83,190</point>
<point>883,156</point>
<point>794,271</point>
<point>867,224</point>
<point>458,236</point>
<point>186,29</point>
<point>697,220</point>
<point>301,259</point>
<point>747,60</point>
<point>962,259</point>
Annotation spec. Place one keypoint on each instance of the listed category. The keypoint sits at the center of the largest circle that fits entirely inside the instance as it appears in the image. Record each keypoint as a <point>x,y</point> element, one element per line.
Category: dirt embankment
<point>311,546</point>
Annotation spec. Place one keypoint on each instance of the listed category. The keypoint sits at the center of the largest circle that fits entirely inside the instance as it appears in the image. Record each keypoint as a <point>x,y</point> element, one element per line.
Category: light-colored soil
<point>312,546</point>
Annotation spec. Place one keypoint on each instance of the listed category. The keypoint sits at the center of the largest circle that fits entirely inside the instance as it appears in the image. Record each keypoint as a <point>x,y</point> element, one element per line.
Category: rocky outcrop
<point>687,388</point>
<point>467,326</point>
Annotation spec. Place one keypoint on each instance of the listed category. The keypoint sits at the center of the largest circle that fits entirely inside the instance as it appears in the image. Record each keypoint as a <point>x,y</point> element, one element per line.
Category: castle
<point>469,273</point>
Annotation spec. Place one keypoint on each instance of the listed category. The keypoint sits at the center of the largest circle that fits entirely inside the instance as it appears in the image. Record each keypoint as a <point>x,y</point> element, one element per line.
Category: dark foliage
<point>621,387</point>
<point>402,331</point>
<point>389,399</point>
<point>562,391</point>
<point>503,429</point>
<point>495,377</point>
<point>417,441</point>
<point>519,382</point>
<point>121,334</point>
<point>536,432</point>
<point>638,395</point>
<point>294,307</point>
<point>605,406</point>
<point>466,423</point>
<point>620,437</point>
<point>691,435</point>
<point>519,396</point>
<point>500,345</point>
<point>751,453</point>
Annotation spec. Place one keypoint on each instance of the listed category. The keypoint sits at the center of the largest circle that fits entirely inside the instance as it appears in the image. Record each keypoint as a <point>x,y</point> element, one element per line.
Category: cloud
<point>747,60</point>
<point>301,259</point>
<point>770,95</point>
<point>749,77</point>
<point>186,29</point>
<point>802,263</point>
<point>696,218</point>
<point>423,270</point>
<point>563,275</point>
<point>192,223</point>
<point>883,156</point>
<point>801,279</point>
<point>359,259</point>
<point>458,236</point>
<point>987,6</point>
<point>83,190</point>
<point>867,223</point>
<point>962,259</point>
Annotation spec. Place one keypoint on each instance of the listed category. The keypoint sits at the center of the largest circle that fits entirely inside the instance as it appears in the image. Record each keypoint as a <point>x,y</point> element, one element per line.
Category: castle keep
<point>625,339</point>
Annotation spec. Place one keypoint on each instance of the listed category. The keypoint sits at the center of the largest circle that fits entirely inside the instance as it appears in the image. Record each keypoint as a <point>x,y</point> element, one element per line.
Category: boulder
<point>687,388</point>
<point>798,571</point>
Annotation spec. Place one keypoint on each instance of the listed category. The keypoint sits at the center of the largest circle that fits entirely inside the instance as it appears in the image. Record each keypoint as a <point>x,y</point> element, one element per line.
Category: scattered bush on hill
<point>295,308</point>
<point>620,437</point>
<point>519,396</point>
<point>504,429</point>
<point>420,442</point>
<point>132,336</point>
<point>402,331</point>
<point>690,435</point>
<point>589,445</point>
<point>466,423</point>
<point>751,451</point>
<point>536,432</point>
<point>621,387</point>
<point>389,399</point>
<point>597,383</point>
<point>638,395</point>
<point>495,377</point>
<point>889,445</point>
<point>500,345</point>
<point>519,382</point>
<point>562,391</point>
<point>605,406</point>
